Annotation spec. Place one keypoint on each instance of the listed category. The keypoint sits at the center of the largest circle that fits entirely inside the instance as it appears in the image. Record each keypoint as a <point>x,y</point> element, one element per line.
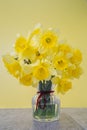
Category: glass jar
<point>46,106</point>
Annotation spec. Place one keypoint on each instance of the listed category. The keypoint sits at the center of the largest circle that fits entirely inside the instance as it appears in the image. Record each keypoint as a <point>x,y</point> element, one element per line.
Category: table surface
<point>21,119</point>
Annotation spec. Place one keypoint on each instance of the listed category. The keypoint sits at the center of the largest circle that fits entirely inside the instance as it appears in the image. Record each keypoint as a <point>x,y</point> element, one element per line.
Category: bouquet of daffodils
<point>42,57</point>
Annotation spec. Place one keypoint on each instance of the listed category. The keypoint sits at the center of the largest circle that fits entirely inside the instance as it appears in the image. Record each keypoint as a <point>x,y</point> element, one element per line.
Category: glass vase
<point>45,105</point>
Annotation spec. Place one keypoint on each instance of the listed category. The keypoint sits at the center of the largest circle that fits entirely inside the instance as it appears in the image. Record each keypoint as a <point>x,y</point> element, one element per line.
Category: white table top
<point>21,119</point>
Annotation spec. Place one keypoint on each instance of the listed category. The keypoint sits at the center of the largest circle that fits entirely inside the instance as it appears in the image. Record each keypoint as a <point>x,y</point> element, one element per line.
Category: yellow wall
<point>18,16</point>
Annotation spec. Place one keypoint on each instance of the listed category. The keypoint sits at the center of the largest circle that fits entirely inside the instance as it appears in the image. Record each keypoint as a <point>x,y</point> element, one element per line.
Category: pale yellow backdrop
<point>18,16</point>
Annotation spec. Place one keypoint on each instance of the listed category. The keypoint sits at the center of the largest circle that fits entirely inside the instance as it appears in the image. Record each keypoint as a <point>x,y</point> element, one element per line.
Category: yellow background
<point>19,16</point>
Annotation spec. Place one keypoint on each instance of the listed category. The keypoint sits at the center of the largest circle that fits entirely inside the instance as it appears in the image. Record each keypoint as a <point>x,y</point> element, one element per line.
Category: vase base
<point>39,125</point>
<point>46,120</point>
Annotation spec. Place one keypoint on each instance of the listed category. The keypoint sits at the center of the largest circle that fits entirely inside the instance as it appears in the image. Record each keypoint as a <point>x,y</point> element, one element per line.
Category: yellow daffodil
<point>63,85</point>
<point>73,72</point>
<point>64,48</point>
<point>60,63</point>
<point>21,44</point>
<point>76,72</point>
<point>28,53</point>
<point>26,79</point>
<point>41,71</point>
<point>77,57</point>
<point>48,39</point>
<point>12,65</point>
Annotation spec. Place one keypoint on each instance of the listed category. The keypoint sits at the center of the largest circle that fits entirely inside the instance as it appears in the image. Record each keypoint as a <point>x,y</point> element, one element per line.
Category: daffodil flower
<point>12,65</point>
<point>63,85</point>
<point>60,63</point>
<point>48,39</point>
<point>41,71</point>
<point>20,44</point>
